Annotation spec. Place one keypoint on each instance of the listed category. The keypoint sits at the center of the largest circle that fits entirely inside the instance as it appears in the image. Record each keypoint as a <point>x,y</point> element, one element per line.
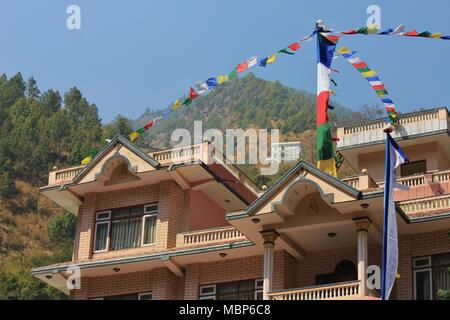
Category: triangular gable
<point>119,147</point>
<point>332,189</point>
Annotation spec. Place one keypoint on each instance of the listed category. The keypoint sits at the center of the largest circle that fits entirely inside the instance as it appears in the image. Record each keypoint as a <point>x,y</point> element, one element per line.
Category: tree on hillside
<point>120,125</point>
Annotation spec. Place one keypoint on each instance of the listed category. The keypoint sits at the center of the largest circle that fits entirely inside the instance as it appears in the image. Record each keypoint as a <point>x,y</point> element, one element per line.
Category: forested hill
<point>243,103</point>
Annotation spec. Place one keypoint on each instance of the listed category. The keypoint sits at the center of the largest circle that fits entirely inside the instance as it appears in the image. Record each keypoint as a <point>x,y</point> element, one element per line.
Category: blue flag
<point>394,158</point>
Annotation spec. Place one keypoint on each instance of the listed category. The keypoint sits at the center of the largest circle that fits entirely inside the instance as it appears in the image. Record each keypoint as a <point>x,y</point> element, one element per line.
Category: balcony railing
<point>209,236</point>
<point>422,179</point>
<point>64,175</point>
<point>182,154</point>
<point>338,291</point>
<point>426,205</point>
<point>409,124</point>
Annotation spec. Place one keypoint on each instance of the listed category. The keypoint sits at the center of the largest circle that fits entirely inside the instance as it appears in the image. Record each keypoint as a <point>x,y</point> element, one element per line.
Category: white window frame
<point>102,221</point>
<point>210,295</point>
<point>424,266</point>
<point>258,288</point>
<point>145,293</point>
<point>146,215</point>
<point>429,270</point>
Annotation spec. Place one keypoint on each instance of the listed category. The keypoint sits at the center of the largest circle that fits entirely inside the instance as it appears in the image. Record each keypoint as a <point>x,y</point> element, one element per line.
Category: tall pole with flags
<point>394,158</point>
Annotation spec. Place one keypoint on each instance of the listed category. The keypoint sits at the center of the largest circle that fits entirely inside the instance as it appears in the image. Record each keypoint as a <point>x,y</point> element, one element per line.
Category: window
<point>132,296</point>
<point>148,232</point>
<point>101,231</point>
<point>239,290</point>
<point>125,228</point>
<point>413,168</point>
<point>432,277</point>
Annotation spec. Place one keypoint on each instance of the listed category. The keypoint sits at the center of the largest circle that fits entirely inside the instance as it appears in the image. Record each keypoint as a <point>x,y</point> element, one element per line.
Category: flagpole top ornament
<point>388,128</point>
<point>320,26</point>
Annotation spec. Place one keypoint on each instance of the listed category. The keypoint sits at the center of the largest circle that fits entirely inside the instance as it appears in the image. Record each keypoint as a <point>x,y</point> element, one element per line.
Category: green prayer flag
<point>233,74</point>
<point>285,50</point>
<point>425,34</point>
<point>187,102</point>
<point>363,30</point>
<point>140,130</point>
<point>366,69</point>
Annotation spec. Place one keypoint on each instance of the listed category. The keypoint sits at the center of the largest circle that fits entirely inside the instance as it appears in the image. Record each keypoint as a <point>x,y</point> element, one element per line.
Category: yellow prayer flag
<point>86,160</point>
<point>176,105</point>
<point>222,79</point>
<point>133,136</point>
<point>328,166</point>
<point>369,74</point>
<point>333,92</point>
<point>372,29</point>
<point>436,35</point>
<point>343,50</point>
<point>272,58</point>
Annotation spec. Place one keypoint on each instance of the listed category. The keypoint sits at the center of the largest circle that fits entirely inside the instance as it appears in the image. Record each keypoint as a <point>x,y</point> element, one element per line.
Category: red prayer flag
<point>360,65</point>
<point>412,33</point>
<point>391,109</point>
<point>294,46</point>
<point>242,67</point>
<point>333,39</point>
<point>380,87</point>
<point>149,125</point>
<point>192,94</point>
<point>350,32</point>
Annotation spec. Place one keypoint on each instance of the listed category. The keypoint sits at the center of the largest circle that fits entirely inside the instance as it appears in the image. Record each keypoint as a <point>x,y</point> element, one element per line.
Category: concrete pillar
<point>362,231</point>
<point>269,238</point>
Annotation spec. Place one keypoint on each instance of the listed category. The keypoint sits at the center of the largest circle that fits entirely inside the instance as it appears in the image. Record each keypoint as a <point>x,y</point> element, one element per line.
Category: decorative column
<point>362,231</point>
<point>269,238</point>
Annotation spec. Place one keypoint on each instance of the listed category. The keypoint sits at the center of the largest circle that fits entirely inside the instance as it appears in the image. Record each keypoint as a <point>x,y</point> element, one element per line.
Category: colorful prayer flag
<point>222,79</point>
<point>192,94</point>
<point>242,67</point>
<point>272,58</point>
<point>233,74</point>
<point>263,62</point>
<point>285,51</point>
<point>176,105</point>
<point>294,46</point>
<point>211,82</point>
<point>201,87</point>
<point>133,136</point>
<point>325,147</point>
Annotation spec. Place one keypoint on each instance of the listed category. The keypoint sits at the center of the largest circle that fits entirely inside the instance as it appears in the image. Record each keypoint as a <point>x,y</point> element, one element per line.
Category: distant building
<point>285,151</point>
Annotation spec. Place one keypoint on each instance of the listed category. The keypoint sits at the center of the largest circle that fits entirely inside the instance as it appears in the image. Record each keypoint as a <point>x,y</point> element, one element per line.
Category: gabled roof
<point>118,139</point>
<point>278,185</point>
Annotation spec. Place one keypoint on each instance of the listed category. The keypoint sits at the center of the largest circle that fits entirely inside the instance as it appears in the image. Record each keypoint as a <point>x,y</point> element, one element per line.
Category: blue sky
<point>133,55</point>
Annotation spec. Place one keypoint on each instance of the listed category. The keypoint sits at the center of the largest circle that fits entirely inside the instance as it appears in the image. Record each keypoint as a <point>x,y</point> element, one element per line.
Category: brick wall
<point>418,245</point>
<point>170,217</point>
<point>288,271</point>
<point>161,282</point>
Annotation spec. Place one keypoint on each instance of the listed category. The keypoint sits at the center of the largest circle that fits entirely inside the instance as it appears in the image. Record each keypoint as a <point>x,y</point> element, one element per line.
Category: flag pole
<point>387,181</point>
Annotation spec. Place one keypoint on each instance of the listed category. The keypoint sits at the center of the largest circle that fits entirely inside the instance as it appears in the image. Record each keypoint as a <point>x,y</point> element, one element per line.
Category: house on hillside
<point>150,226</point>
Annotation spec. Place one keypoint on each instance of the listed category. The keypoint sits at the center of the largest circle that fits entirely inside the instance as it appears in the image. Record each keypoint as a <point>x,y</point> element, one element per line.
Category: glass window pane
<point>125,234</point>
<point>101,236</point>
<point>441,276</point>
<point>136,211</point>
<point>120,213</point>
<point>423,285</point>
<point>149,230</point>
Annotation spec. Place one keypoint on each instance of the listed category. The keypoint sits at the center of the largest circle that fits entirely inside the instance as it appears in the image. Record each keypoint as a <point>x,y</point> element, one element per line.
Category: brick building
<point>157,226</point>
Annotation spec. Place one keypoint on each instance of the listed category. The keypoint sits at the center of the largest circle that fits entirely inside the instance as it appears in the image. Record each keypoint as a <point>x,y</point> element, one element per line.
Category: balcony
<point>339,291</point>
<point>182,154</point>
<point>63,176</point>
<point>209,237</point>
<point>417,123</point>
